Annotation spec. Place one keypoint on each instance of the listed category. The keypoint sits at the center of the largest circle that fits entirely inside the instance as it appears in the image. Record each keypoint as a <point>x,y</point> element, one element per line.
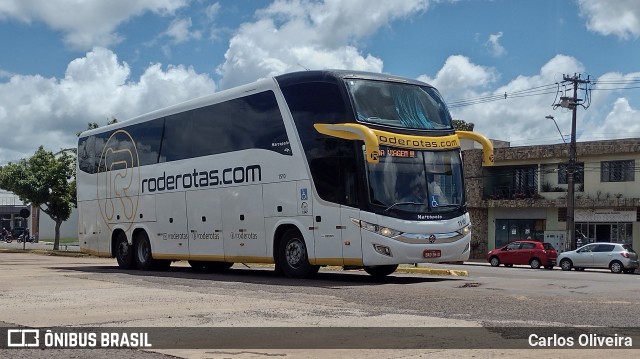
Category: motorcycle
<point>25,238</point>
<point>7,238</point>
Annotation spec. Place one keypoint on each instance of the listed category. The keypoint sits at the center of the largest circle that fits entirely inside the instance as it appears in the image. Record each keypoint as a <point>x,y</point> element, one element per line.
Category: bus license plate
<point>431,253</point>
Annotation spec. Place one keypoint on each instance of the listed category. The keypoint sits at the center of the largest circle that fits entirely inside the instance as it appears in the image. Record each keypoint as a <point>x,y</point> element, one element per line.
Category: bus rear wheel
<point>380,271</point>
<point>292,256</point>
<point>142,252</point>
<point>123,252</point>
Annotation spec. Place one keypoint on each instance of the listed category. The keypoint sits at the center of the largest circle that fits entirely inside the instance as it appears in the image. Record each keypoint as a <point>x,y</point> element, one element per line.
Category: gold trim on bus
<point>374,138</point>
<point>336,261</point>
<point>487,146</point>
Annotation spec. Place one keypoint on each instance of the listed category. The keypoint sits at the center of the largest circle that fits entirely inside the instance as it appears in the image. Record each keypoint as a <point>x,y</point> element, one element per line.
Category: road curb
<point>45,252</point>
<point>434,271</point>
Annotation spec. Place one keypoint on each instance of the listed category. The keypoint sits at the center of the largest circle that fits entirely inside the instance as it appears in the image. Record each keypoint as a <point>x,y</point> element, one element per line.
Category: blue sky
<point>65,63</point>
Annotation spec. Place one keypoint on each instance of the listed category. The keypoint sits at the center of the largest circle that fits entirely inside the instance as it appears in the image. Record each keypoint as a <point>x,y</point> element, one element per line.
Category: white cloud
<point>179,31</point>
<point>494,46</point>
<point>85,23</point>
<point>520,118</point>
<point>620,17</point>
<point>459,78</point>
<point>294,35</point>
<point>622,121</point>
<point>37,110</point>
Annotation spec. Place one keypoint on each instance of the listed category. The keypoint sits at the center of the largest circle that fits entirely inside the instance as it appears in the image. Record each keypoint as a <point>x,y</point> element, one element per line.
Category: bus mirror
<point>353,131</point>
<point>487,146</point>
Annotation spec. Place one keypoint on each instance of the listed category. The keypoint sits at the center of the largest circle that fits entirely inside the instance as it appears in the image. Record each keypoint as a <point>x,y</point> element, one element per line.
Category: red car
<point>533,253</point>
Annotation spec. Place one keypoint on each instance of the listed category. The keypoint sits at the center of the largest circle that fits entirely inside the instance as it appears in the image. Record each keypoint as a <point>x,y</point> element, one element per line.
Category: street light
<point>554,121</point>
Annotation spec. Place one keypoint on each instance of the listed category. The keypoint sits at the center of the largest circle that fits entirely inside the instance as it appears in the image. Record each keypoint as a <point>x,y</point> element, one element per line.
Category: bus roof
<point>334,76</point>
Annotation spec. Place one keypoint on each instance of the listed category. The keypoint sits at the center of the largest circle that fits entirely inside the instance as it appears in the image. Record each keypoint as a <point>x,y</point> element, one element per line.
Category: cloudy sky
<point>498,63</point>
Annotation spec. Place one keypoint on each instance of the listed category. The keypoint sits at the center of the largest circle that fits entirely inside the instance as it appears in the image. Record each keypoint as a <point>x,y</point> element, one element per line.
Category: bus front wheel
<point>292,256</point>
<point>380,271</point>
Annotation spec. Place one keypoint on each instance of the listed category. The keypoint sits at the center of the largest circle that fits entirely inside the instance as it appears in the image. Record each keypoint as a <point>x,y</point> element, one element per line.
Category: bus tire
<point>380,271</point>
<point>292,256</point>
<point>142,252</point>
<point>123,252</point>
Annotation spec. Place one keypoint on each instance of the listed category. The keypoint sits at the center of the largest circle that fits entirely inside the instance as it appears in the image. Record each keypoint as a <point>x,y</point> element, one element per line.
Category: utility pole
<point>572,104</point>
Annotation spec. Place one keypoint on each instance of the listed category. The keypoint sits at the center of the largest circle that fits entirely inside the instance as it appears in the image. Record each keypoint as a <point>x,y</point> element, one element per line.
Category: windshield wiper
<point>402,203</point>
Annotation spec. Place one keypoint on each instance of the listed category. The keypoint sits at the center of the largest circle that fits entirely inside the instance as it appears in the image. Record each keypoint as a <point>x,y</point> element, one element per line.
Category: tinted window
<point>86,154</point>
<point>513,246</point>
<point>628,248</point>
<point>528,246</point>
<point>253,121</point>
<point>588,248</point>
<point>332,161</point>
<point>399,104</point>
<point>548,246</point>
<point>605,248</point>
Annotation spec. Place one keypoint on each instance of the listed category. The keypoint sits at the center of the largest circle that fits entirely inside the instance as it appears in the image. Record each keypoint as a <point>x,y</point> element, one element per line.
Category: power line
<point>625,84</point>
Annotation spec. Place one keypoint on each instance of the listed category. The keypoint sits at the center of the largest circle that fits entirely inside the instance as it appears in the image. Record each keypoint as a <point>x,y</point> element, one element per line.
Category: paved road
<point>43,291</point>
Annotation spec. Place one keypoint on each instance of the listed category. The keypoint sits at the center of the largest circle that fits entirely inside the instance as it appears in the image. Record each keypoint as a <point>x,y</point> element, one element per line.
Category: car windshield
<point>399,105</point>
<point>416,181</point>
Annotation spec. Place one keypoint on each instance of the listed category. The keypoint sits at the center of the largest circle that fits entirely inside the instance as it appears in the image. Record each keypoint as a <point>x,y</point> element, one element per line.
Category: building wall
<point>622,197</point>
<point>68,229</point>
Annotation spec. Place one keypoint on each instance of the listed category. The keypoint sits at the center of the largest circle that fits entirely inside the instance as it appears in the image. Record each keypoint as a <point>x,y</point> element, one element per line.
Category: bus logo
<point>118,178</point>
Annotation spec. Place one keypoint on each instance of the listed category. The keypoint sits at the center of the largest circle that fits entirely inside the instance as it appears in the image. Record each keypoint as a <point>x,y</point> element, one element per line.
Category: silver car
<point>616,256</point>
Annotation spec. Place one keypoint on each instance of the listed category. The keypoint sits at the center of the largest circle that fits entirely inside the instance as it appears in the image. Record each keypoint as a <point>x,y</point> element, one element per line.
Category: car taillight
<point>625,254</point>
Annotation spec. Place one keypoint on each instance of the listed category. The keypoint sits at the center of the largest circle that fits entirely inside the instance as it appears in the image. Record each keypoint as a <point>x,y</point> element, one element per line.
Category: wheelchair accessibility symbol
<point>434,201</point>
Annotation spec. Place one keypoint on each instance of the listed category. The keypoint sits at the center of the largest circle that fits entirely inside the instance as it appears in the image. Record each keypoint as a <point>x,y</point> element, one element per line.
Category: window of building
<point>578,176</point>
<point>508,230</point>
<point>617,171</point>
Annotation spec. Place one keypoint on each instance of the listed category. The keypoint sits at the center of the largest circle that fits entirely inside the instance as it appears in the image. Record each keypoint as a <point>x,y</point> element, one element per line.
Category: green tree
<point>47,181</point>
<point>463,126</point>
<point>94,125</point>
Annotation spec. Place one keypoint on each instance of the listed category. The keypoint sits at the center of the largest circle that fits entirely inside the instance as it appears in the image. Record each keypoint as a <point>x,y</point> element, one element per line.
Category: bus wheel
<point>292,256</point>
<point>380,271</point>
<point>142,252</point>
<point>124,252</point>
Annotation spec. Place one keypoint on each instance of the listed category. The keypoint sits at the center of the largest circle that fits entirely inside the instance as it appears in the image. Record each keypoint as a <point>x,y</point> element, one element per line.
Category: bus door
<point>351,237</point>
<point>204,219</point>
<point>327,233</point>
<point>243,224</point>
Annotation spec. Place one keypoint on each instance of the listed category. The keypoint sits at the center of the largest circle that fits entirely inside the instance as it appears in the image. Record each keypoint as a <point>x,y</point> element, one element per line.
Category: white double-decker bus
<point>302,170</point>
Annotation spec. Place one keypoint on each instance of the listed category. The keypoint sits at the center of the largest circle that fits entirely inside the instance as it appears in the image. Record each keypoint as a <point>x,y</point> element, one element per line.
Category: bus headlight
<point>383,231</point>
<point>465,230</point>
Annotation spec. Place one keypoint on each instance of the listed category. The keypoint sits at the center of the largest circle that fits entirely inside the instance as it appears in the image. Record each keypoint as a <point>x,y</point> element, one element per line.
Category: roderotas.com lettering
<point>197,179</point>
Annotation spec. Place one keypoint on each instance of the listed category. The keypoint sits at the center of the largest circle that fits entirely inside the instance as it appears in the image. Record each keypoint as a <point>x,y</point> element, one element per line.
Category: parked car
<point>533,253</point>
<point>617,257</point>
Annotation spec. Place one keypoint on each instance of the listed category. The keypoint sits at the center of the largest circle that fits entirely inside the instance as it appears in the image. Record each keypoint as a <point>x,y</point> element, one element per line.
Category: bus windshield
<point>399,105</point>
<point>416,181</point>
